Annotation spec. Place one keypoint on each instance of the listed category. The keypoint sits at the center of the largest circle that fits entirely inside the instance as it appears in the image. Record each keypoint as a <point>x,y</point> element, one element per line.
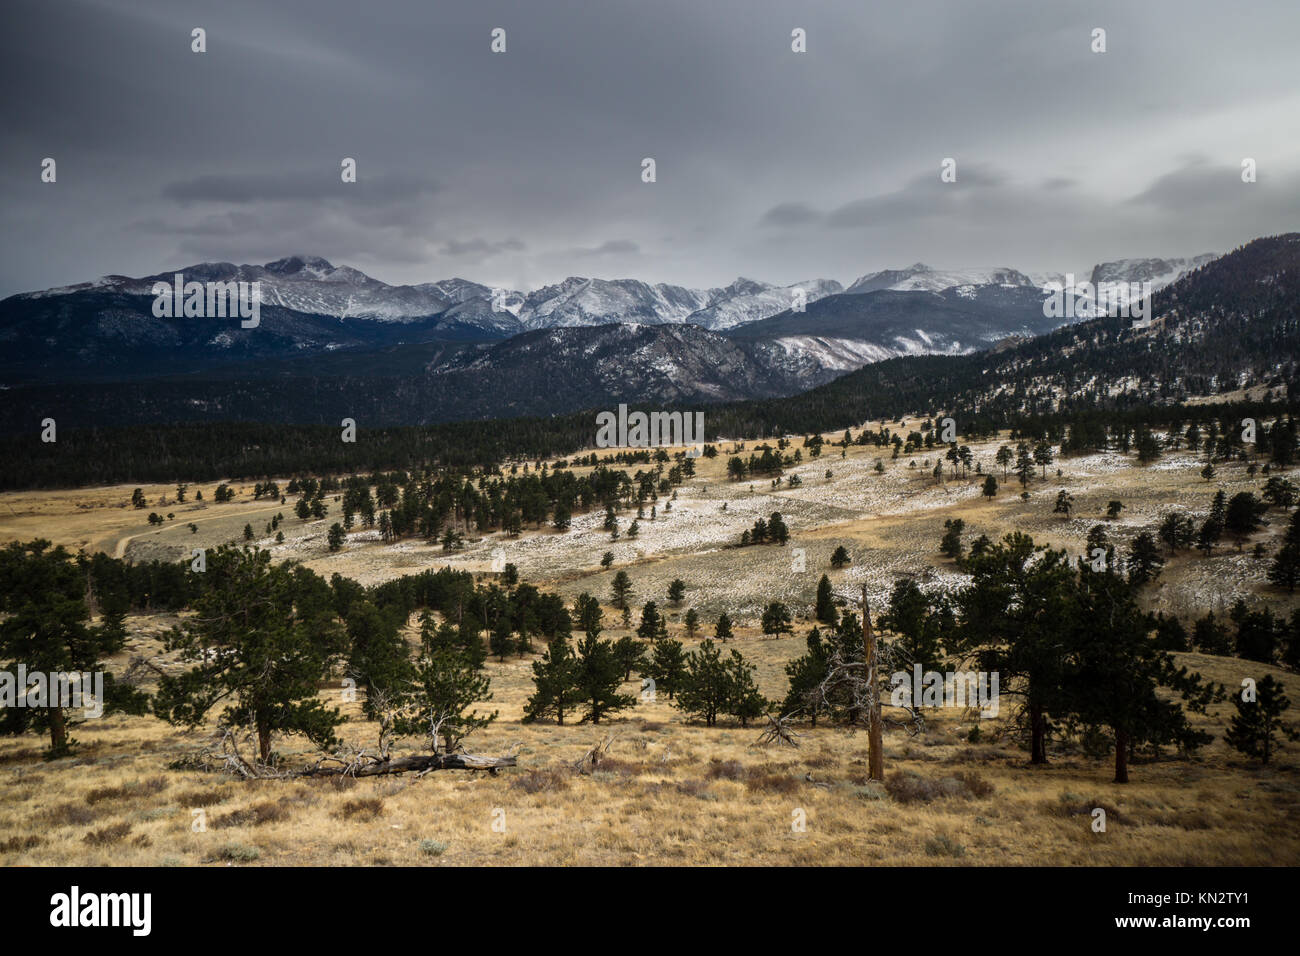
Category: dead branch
<point>589,761</point>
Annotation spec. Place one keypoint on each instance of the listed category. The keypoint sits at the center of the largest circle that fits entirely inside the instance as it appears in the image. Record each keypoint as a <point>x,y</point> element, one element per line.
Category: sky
<point>522,167</point>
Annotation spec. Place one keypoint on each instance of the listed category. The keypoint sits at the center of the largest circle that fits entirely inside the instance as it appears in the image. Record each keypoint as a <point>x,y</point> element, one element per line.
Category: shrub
<point>113,833</point>
<point>364,808</point>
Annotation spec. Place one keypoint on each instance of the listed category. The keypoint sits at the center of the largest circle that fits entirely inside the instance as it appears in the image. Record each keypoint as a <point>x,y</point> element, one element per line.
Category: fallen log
<point>424,763</point>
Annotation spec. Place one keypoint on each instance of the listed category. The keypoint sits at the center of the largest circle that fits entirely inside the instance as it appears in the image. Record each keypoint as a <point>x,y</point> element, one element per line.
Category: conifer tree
<point>1254,728</point>
<point>262,638</point>
<point>555,691</point>
<point>597,676</point>
<point>45,627</point>
<point>825,610</point>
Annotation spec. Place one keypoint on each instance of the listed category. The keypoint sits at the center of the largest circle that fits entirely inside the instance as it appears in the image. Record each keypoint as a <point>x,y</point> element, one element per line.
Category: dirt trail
<point>119,550</point>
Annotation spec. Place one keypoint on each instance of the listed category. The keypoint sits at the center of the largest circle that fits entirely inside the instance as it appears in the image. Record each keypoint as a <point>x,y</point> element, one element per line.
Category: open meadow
<point>661,789</point>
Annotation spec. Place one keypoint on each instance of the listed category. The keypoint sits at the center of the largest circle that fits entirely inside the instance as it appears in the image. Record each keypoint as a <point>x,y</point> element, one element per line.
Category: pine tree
<point>1064,503</point>
<point>951,545</point>
<point>1209,636</point>
<point>676,591</point>
<point>918,623</point>
<point>630,655</point>
<point>722,631</point>
<point>1285,571</point>
<point>652,625</point>
<point>840,558</point>
<point>692,623</point>
<point>1243,516</point>
<point>555,683</point>
<point>1115,673</point>
<point>825,610</point>
<point>1144,561</point>
<point>706,685</point>
<point>502,640</point>
<point>744,702</point>
<point>806,674</point>
<point>597,676</point>
<point>1255,726</point>
<point>44,625</point>
<point>622,589</point>
<point>1024,464</point>
<point>667,667</point>
<point>776,619</point>
<point>275,638</point>
<point>990,489</point>
<point>446,684</point>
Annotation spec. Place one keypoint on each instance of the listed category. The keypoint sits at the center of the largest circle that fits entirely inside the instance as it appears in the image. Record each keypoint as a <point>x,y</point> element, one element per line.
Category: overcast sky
<point>524,167</point>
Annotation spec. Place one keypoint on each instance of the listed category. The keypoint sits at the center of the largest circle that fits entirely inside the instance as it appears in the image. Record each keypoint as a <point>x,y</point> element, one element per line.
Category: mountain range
<point>332,340</point>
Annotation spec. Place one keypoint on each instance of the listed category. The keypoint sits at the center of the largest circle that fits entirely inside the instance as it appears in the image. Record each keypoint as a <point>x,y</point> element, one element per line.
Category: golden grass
<point>671,793</point>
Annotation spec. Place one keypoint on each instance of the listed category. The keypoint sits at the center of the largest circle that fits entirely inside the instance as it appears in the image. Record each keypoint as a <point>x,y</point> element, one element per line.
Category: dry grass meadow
<point>668,792</point>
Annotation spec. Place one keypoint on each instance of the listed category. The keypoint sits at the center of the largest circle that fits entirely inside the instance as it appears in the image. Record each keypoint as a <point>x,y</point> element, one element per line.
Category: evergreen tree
<point>1144,561</point>
<point>1243,516</point>
<point>45,626</point>
<point>622,588</point>
<point>840,558</point>
<point>722,631</point>
<point>776,619</point>
<point>825,610</point>
<point>692,623</point>
<point>1064,503</point>
<point>1255,726</point>
<point>1024,464</point>
<point>806,674</point>
<point>556,691</point>
<point>446,685</point>
<point>919,626</point>
<point>652,626</point>
<point>1210,636</point>
<point>630,656</point>
<point>597,676</point>
<point>706,686</point>
<point>951,545</point>
<point>1116,671</point>
<point>1285,571</point>
<point>263,637</point>
<point>667,667</point>
<point>744,702</point>
<point>676,591</point>
<point>377,656</point>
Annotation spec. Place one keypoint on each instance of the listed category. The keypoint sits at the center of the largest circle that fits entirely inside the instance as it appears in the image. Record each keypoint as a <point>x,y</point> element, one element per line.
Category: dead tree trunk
<point>875,755</point>
<point>423,763</point>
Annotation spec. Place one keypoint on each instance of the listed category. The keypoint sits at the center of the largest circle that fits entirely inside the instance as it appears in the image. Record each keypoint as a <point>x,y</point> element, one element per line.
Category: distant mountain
<point>873,326</point>
<point>922,278</point>
<point>1230,324</point>
<point>746,300</point>
<point>537,373</point>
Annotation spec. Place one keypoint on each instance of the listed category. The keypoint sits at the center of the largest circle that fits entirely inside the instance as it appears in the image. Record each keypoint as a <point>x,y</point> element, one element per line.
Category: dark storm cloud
<point>481,248</point>
<point>517,168</point>
<point>613,247</point>
<point>790,214</point>
<point>301,184</point>
<point>924,197</point>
